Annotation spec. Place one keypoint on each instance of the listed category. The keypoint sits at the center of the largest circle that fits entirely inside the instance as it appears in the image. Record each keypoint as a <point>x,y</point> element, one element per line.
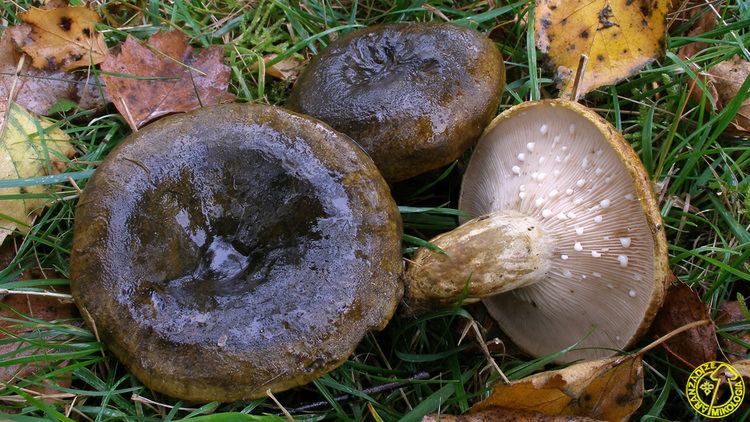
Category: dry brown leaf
<point>54,4</point>
<point>730,312</point>
<point>743,367</point>
<point>26,152</point>
<point>91,94</point>
<point>607,389</point>
<point>162,79</point>
<point>727,78</point>
<point>619,37</point>
<point>60,38</point>
<point>36,90</point>
<point>706,21</point>
<point>505,415</point>
<point>285,70</point>
<point>39,307</point>
<point>683,306</point>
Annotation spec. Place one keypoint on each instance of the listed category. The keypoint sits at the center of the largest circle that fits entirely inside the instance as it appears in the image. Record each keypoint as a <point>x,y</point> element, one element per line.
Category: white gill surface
<point>601,277</point>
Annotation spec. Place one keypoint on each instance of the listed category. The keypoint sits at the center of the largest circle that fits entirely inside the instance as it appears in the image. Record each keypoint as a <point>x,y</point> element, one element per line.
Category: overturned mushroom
<point>569,245</point>
<point>415,95</point>
<point>235,249</point>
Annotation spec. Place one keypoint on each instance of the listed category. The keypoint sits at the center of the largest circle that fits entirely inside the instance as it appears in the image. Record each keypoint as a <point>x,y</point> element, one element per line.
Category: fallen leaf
<point>505,415</point>
<point>285,70</point>
<point>619,37</point>
<point>54,4</point>
<point>730,312</point>
<point>25,152</point>
<point>608,389</point>
<point>743,367</point>
<point>60,38</point>
<point>36,90</point>
<point>91,93</point>
<point>683,306</point>
<point>146,83</point>
<point>39,307</point>
<point>705,21</point>
<point>727,78</point>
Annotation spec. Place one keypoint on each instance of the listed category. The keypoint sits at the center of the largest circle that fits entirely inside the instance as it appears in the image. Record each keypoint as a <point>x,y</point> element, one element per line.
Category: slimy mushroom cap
<point>414,95</point>
<point>235,249</point>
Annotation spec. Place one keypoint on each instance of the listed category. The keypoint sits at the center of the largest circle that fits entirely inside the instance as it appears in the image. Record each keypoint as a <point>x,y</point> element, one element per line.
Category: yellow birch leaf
<point>28,148</point>
<point>608,389</point>
<point>64,37</point>
<point>619,36</point>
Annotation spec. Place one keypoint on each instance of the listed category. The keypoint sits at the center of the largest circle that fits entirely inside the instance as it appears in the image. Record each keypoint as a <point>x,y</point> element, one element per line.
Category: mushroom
<point>568,247</point>
<point>235,249</point>
<point>415,96</point>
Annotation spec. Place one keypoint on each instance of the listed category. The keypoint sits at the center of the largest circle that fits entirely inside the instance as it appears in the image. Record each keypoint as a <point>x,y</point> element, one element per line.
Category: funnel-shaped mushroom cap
<point>414,95</point>
<point>561,164</point>
<point>234,249</point>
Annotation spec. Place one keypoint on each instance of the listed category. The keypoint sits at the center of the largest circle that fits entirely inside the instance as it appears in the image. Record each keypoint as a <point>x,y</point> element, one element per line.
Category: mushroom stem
<point>492,254</point>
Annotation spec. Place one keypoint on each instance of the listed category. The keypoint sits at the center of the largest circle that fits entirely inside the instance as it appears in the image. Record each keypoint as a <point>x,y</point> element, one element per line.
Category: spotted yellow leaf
<point>29,147</point>
<point>60,38</point>
<point>619,36</point>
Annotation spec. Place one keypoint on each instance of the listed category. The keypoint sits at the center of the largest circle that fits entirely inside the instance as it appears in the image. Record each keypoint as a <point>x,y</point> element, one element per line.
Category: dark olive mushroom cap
<point>235,249</point>
<point>415,95</point>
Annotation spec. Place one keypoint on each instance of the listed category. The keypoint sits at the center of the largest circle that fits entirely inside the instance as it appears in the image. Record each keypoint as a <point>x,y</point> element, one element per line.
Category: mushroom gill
<point>601,251</point>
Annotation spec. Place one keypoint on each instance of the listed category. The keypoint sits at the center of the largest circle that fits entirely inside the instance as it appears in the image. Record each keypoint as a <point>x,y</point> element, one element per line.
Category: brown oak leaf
<point>60,38</point>
<point>683,306</point>
<point>166,76</point>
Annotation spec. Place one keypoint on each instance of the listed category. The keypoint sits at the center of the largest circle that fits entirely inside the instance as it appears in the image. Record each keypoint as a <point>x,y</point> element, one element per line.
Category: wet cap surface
<point>414,95</point>
<point>235,249</point>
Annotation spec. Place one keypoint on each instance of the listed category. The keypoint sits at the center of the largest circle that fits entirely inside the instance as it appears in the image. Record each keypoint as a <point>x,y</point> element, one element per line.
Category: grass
<point>701,175</point>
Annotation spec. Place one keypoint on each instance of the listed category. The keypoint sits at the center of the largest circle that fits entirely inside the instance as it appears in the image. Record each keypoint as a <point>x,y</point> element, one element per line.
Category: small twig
<point>388,365</point>
<point>664,338</point>
<point>21,399</point>
<point>129,116</point>
<point>139,398</point>
<point>582,62</point>
<point>11,94</point>
<point>372,390</point>
<point>62,296</point>
<point>486,352</point>
<point>75,185</point>
<point>280,406</point>
<point>436,11</point>
<point>69,406</point>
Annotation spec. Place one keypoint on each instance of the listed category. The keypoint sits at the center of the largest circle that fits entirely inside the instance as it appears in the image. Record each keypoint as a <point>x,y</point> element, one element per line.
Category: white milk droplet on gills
<point>623,260</point>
